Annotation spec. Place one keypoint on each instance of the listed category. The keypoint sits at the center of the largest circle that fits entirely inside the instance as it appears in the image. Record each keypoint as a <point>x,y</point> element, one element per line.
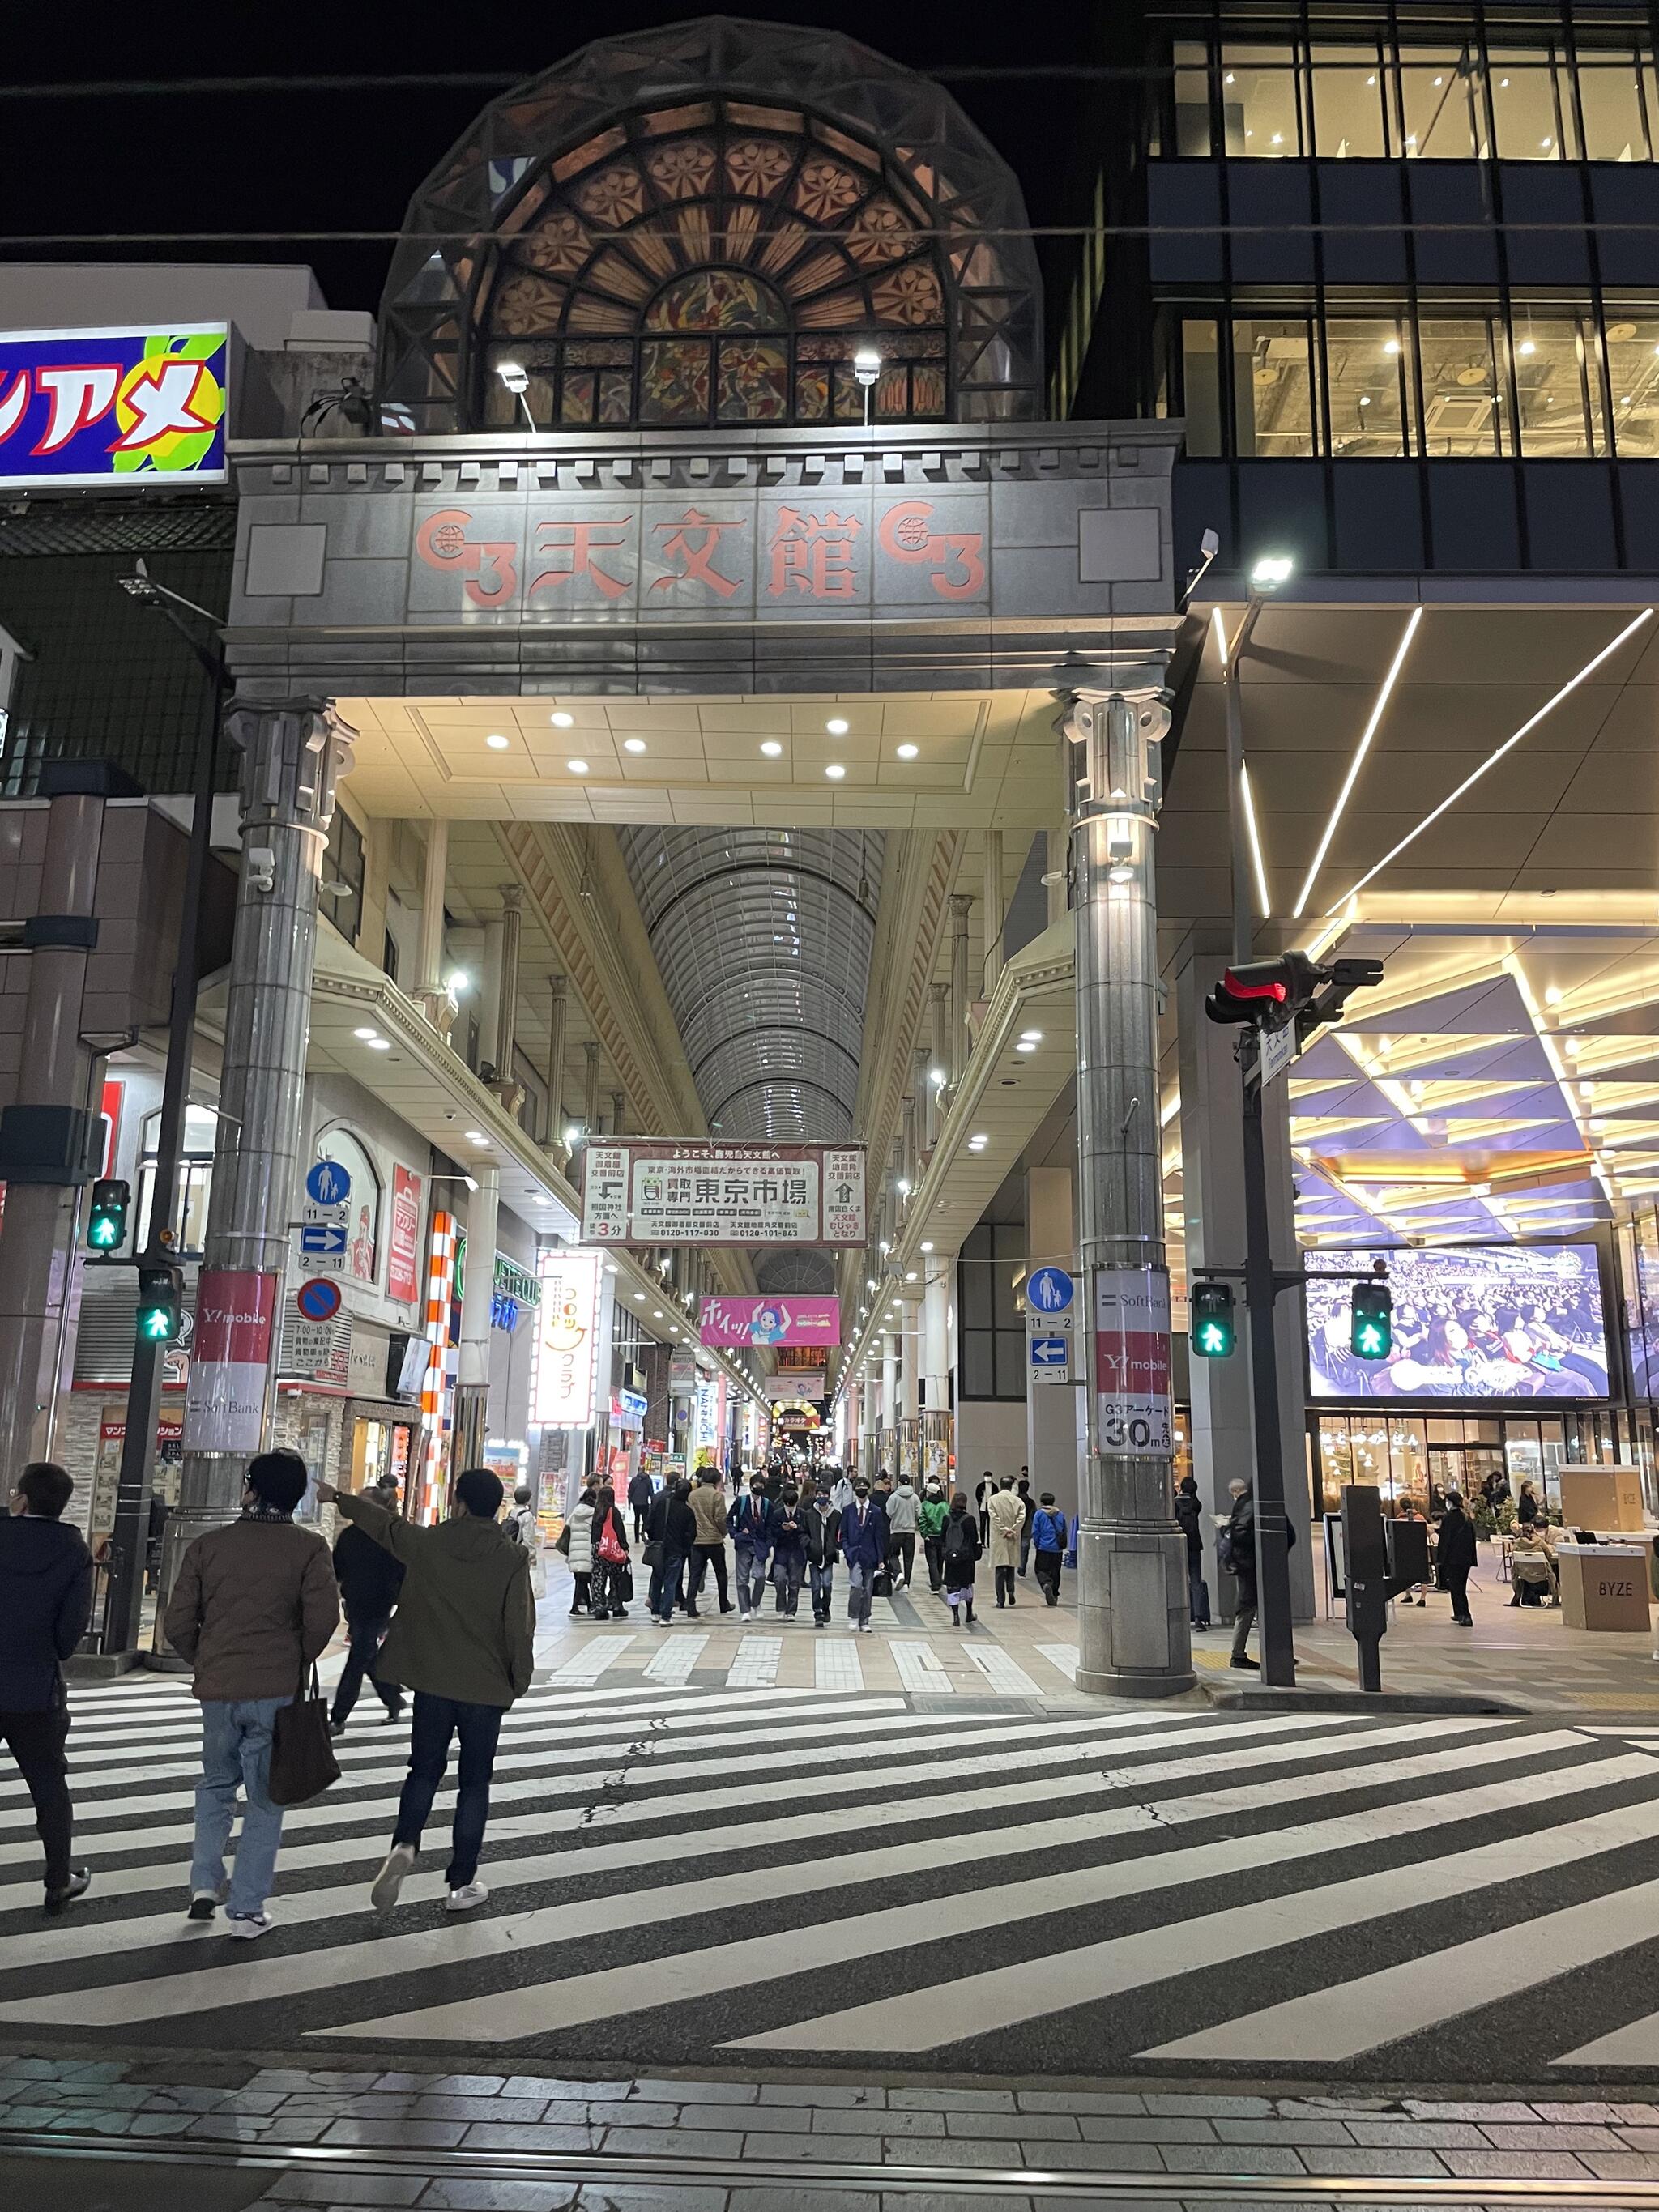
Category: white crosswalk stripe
<point>1166,1889</point>
<point>1065,1657</point>
<point>756,1662</point>
<point>1003,1673</point>
<point>675,1661</point>
<point>920,1669</point>
<point>598,1653</point>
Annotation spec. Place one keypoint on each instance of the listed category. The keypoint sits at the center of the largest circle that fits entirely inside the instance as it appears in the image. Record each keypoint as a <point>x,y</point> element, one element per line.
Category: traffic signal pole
<point>1262,1285</point>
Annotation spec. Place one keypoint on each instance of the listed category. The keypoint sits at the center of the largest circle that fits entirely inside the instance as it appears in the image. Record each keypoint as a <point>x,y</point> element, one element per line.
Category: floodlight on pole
<point>866,368</point>
<point>1272,570</point>
<point>516,378</point>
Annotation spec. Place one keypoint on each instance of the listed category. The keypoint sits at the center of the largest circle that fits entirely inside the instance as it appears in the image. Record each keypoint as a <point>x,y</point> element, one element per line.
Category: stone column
<point>909,1162</point>
<point>50,1134</point>
<point>591,1090</point>
<point>508,1087</point>
<point>558,1020</point>
<point>1132,1580</point>
<point>477,1289</point>
<point>996,910</point>
<point>1059,845</point>
<point>890,1402</point>
<point>618,1112</point>
<point>960,905</point>
<point>939,1059</point>
<point>430,989</point>
<point>292,754</point>
<point>1213,1200</point>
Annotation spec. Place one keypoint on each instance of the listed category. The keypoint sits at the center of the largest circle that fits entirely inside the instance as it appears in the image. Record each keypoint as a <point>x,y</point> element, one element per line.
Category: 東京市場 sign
<point>112,406</point>
<point>664,1193</point>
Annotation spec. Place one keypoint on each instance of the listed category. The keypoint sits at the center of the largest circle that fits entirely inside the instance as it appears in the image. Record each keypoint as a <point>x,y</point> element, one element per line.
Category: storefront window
<point>1348,85</point>
<point>1463,411</point>
<point>1365,365</point>
<point>1526,114</point>
<point>1634,372</point>
<point>1259,106</point>
<point>1437,105</point>
<point>1523,1451</point>
<point>1275,389</point>
<point>1615,121</point>
<point>1557,385</point>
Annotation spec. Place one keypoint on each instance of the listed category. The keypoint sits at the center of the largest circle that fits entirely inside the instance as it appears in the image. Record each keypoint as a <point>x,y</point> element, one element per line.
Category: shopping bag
<point>302,1761</point>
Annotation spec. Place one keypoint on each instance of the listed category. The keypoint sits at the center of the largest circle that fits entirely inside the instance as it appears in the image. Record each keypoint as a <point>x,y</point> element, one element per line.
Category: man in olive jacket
<point>254,1604</point>
<point>463,1641</point>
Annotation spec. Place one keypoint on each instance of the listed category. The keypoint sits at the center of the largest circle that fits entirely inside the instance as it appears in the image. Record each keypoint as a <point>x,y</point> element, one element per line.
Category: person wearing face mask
<point>904,1514</point>
<point>788,1551</point>
<point>750,1522</point>
<point>932,1515</point>
<point>821,1526</point>
<point>864,1547</point>
<point>962,1549</point>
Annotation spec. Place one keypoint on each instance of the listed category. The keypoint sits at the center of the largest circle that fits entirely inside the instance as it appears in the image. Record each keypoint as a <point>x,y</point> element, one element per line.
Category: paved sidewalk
<point>649,2125</point>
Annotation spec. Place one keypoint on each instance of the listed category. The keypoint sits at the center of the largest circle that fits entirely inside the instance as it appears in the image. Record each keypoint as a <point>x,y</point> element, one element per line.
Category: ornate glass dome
<point>700,226</point>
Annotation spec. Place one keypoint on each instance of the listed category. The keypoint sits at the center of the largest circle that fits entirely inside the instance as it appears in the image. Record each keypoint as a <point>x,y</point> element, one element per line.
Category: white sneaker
<point>867,1627</point>
<point>399,1863</point>
<point>247,1926</point>
<point>469,1894</point>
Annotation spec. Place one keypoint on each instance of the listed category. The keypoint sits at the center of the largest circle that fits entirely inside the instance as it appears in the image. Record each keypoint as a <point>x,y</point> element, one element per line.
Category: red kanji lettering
<point>699,557</point>
<point>813,553</point>
<point>584,542</point>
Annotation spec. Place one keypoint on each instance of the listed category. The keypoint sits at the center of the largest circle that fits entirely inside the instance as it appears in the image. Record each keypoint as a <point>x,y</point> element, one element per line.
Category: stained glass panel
<point>754,381</point>
<point>715,300</point>
<point>674,381</point>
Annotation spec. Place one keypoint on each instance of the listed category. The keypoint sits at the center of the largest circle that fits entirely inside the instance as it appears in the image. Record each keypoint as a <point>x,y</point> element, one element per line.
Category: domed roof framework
<point>693,227</point>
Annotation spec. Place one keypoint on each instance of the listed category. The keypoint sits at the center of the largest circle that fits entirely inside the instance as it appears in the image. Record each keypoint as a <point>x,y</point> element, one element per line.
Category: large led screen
<point>1495,1320</point>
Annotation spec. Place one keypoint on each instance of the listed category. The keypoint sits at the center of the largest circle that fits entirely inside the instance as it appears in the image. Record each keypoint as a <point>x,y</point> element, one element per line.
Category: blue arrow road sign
<point>1049,1291</point>
<point>328,1237</point>
<point>328,1184</point>
<point>1049,1351</point>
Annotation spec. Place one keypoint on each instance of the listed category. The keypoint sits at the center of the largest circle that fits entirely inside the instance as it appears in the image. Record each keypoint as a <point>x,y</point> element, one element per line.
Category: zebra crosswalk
<point>820,1875</point>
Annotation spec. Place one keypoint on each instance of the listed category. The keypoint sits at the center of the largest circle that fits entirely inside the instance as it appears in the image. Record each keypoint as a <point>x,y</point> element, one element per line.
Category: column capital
<point>962,904</point>
<point>512,895</point>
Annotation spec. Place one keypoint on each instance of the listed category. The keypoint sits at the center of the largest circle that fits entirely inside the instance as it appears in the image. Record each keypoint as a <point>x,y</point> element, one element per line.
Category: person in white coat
<point>579,1554</point>
<point>1006,1511</point>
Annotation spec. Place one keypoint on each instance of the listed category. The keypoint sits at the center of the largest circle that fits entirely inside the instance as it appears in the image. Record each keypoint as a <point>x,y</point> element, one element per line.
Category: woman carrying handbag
<point>613,1585</point>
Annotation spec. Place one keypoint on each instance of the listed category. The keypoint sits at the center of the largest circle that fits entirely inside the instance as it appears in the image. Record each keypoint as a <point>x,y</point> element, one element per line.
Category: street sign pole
<point>1261,1291</point>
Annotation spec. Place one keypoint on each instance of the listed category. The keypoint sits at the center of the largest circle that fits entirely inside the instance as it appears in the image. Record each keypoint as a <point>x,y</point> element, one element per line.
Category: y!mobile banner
<point>112,407</point>
<point>733,1323</point>
<point>235,1316</point>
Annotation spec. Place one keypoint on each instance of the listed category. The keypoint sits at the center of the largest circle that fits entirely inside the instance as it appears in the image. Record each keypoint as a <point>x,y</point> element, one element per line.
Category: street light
<point>517,381</point>
<point>866,368</point>
<point>1272,570</point>
<point>1268,572</point>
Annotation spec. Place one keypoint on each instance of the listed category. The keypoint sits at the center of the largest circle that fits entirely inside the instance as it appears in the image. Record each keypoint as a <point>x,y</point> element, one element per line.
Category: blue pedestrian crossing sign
<point>1049,1291</point>
<point>328,1184</point>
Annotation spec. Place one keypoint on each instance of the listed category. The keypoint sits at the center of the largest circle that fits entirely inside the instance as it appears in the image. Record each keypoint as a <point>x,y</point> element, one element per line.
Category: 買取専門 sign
<point>664,1193</point>
<point>1132,1362</point>
<point>112,407</point>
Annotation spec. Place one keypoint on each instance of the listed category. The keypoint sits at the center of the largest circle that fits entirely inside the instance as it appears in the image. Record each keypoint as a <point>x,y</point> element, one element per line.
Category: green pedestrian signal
<point>1213,1335</point>
<point>160,1304</point>
<point>106,1221</point>
<point>1370,1321</point>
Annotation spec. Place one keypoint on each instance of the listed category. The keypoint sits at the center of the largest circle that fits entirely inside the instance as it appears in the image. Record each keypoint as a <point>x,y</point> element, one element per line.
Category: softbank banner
<point>726,1324</point>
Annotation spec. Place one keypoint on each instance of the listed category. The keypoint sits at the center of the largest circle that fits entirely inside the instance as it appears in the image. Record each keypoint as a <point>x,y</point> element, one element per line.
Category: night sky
<point>285,162</point>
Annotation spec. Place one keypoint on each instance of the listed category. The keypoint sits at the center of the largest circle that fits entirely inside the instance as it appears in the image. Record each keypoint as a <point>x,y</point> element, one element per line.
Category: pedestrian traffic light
<point>1213,1334</point>
<point>1370,1321</point>
<point>107,1222</point>
<point>160,1304</point>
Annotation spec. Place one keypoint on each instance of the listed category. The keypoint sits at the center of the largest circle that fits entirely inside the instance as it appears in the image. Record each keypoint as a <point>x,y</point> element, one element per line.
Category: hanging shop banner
<point>792,1320</point>
<point>235,1316</point>
<point>786,1390</point>
<point>682,1373</point>
<point>664,1193</point>
<point>567,1340</point>
<point>1132,1363</point>
<point>112,407</point>
<point>403,1280</point>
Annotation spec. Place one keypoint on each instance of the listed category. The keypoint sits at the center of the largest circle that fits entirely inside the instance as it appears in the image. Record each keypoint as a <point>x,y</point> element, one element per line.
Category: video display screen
<point>1496,1320</point>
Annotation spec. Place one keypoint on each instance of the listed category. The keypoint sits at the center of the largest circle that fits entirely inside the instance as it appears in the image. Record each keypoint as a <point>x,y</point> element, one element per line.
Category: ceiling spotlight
<point>927,1244</point>
<point>476,1136</point>
<point>1552,996</point>
<point>364,1035</point>
<point>496,741</point>
<point>1526,346</point>
<point>834,770</point>
<point>1272,570</point>
<point>632,745</point>
<point>771,748</point>
<point>513,375</point>
<point>837,726</point>
<point>577,767</point>
<point>1024,1047</point>
<point>573,1135</point>
<point>639,1298</point>
<point>656,1313</point>
<point>911,1276</point>
<point>1031,1036</point>
<point>379,1044</point>
<point>458,982</point>
<point>562,720</point>
<point>908,752</point>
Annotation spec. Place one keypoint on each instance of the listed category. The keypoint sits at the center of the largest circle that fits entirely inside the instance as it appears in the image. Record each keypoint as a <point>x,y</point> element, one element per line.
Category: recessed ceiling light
<point>834,770</point>
<point>771,748</point>
<point>927,1244</point>
<point>577,767</point>
<point>379,1044</point>
<point>837,726</point>
<point>639,1298</point>
<point>908,752</point>
<point>1024,1047</point>
<point>656,1313</point>
<point>1031,1036</point>
<point>632,745</point>
<point>476,1136</point>
<point>363,1035</point>
<point>496,741</point>
<point>563,721</point>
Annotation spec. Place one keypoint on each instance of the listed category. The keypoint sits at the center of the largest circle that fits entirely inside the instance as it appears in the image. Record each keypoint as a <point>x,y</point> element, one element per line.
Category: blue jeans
<point>822,1578</point>
<point>236,1756</point>
<point>752,1577</point>
<point>673,1568</point>
<point>436,1720</point>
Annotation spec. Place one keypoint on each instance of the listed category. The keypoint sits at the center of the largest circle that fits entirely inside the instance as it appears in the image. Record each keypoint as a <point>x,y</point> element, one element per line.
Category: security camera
<point>261,868</point>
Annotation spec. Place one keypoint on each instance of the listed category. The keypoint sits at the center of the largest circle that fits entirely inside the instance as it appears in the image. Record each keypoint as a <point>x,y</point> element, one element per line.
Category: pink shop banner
<point>731,1323</point>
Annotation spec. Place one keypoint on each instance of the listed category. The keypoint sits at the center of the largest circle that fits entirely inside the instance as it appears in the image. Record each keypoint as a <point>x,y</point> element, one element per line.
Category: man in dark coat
<point>640,1493</point>
<point>1189,1512</point>
<point>1456,1553</point>
<point>46,1601</point>
<point>369,1579</point>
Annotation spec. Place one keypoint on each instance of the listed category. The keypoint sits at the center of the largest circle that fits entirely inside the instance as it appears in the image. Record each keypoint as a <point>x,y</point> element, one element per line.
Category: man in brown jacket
<point>254,1604</point>
<point>707,1503</point>
<point>463,1641</point>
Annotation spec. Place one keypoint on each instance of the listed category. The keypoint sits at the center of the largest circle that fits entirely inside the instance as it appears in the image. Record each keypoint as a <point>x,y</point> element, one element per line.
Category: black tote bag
<point>302,1761</point>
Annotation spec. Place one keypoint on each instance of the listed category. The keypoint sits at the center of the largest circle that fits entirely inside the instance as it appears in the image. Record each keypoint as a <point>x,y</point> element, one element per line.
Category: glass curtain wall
<point>1438,100</point>
<point>1547,381</point>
